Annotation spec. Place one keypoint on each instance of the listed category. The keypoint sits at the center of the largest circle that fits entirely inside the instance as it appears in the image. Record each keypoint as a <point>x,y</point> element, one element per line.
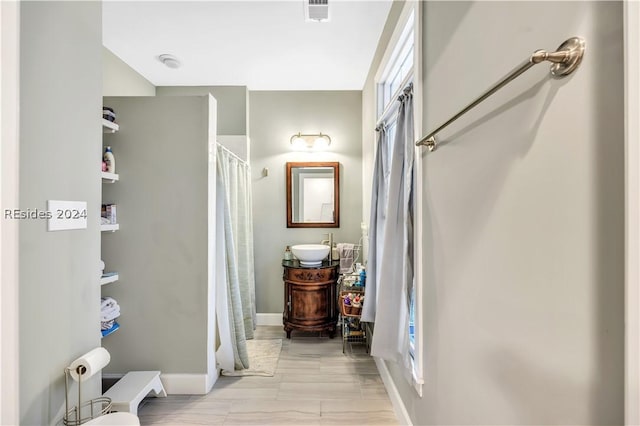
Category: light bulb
<point>299,143</point>
<point>321,142</point>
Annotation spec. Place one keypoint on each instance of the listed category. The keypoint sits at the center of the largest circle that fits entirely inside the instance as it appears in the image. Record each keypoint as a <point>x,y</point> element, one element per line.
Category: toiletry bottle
<point>110,160</point>
<point>287,254</point>
<point>363,277</point>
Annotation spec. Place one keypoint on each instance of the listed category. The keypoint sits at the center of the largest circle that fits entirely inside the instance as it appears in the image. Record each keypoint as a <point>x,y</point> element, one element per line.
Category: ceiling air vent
<point>316,10</point>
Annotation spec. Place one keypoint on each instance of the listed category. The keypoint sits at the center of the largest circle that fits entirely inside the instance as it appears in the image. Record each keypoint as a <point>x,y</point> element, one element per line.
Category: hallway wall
<point>523,219</point>
<point>60,116</point>
<point>119,79</point>
<point>161,249</point>
<point>233,104</point>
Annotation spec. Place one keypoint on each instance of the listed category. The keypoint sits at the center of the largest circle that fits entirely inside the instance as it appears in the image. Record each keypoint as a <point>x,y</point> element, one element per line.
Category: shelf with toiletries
<point>109,314</point>
<point>351,301</point>
<point>110,177</point>
<point>109,126</point>
<point>109,277</point>
<point>115,327</point>
<point>109,308</point>
<point>109,227</point>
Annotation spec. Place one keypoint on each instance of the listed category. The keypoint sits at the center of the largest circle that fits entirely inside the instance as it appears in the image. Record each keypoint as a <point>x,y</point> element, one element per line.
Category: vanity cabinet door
<point>310,304</point>
<point>310,300</point>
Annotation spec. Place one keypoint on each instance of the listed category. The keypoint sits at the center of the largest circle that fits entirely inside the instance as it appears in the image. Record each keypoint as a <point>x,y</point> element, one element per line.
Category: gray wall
<point>523,220</point>
<point>233,115</point>
<point>160,250</point>
<point>60,102</point>
<point>275,116</point>
<point>119,79</point>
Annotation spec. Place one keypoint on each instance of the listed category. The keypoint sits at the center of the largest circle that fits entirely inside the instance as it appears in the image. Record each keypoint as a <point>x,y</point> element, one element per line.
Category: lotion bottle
<point>288,255</point>
<point>110,160</point>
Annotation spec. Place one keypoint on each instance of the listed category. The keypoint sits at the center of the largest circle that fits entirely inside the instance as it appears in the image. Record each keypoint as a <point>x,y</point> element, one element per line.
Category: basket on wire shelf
<point>351,303</point>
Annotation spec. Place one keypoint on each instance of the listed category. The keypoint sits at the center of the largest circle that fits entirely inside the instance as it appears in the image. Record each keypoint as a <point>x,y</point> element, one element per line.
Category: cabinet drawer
<point>310,275</point>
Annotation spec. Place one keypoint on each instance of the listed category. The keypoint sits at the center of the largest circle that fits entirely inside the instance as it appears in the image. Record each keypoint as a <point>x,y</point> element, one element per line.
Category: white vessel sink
<point>310,254</point>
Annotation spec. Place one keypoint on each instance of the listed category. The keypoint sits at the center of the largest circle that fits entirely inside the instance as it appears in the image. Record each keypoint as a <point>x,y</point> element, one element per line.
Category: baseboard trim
<point>185,384</point>
<point>269,319</point>
<point>212,379</point>
<point>396,401</point>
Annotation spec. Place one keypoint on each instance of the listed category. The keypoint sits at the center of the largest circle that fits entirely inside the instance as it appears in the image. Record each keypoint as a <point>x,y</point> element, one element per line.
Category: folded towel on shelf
<point>105,325</point>
<point>107,302</point>
<point>109,309</point>
<point>110,314</point>
<point>345,251</point>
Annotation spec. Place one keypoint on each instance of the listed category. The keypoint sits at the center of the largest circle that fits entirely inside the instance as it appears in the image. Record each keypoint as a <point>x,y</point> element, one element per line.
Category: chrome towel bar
<point>565,60</point>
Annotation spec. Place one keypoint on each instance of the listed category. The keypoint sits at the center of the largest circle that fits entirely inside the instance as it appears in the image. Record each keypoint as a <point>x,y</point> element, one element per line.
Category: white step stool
<point>127,393</point>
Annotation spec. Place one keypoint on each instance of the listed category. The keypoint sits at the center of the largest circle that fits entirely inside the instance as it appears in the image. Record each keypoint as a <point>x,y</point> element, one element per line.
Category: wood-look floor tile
<point>315,383</point>
<point>156,419</point>
<point>188,406</point>
<point>273,419</point>
<point>183,419</point>
<point>289,357</point>
<point>274,413</point>
<point>363,419</point>
<point>311,348</point>
<point>305,377</point>
<point>346,406</point>
<point>370,379</point>
<point>244,382</point>
<point>297,364</point>
<point>374,392</point>
<point>357,413</point>
<point>354,368</point>
<point>242,393</point>
<point>319,391</point>
<point>339,357</point>
<point>268,407</point>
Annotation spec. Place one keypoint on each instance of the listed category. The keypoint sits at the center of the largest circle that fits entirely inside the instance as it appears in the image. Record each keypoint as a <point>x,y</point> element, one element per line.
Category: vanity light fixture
<point>169,61</point>
<point>313,141</point>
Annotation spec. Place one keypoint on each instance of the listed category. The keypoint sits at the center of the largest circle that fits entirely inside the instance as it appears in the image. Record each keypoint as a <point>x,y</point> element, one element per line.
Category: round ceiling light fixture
<point>169,61</point>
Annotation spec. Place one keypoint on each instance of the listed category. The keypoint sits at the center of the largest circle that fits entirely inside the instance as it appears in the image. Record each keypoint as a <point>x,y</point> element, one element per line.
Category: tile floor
<point>315,384</point>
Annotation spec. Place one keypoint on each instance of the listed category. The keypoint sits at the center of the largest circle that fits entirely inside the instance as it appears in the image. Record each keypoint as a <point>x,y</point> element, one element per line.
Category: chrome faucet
<point>329,242</point>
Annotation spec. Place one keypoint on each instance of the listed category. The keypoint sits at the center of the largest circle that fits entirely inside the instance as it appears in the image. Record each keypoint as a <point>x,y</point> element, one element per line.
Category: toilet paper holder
<point>96,406</point>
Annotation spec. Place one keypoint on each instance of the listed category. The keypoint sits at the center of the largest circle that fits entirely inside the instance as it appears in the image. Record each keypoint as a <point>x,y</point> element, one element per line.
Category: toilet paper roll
<point>89,363</point>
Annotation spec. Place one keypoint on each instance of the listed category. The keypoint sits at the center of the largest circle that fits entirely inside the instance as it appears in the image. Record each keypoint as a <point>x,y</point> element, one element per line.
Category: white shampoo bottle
<point>110,160</point>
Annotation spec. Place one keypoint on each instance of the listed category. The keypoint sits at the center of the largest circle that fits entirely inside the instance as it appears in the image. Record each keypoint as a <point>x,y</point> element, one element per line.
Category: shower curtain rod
<point>565,60</point>
<point>233,154</point>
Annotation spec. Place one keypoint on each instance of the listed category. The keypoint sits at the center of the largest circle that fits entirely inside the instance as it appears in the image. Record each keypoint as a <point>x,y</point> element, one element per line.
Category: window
<point>399,68</point>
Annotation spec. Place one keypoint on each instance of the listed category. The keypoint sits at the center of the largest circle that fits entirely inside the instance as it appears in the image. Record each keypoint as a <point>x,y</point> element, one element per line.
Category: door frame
<point>632,210</point>
<point>9,166</point>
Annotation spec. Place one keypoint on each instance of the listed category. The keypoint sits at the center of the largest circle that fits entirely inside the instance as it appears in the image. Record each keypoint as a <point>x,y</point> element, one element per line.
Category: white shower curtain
<point>392,237</point>
<point>235,303</point>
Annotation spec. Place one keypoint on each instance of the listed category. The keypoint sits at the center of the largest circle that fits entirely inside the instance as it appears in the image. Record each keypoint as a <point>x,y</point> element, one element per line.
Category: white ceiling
<point>265,45</point>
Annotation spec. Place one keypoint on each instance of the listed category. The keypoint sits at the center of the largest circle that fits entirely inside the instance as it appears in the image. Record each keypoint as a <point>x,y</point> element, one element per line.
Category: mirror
<point>313,195</point>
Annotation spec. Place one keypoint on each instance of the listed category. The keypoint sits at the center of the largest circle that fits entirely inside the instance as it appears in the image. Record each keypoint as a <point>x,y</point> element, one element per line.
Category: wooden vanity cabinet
<point>310,297</point>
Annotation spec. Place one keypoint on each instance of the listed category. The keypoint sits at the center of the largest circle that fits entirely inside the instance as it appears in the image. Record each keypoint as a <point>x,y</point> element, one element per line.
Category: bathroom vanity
<point>310,297</point>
